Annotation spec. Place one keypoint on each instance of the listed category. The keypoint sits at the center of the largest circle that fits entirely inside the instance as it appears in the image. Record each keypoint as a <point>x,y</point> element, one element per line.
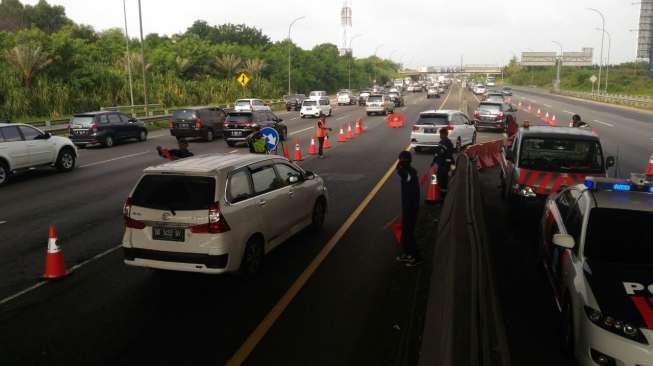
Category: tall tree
<point>48,18</point>
<point>228,64</point>
<point>12,15</point>
<point>28,60</point>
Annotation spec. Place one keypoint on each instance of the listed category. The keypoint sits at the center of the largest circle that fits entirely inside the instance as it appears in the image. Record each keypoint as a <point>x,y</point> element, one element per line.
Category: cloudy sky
<point>414,32</point>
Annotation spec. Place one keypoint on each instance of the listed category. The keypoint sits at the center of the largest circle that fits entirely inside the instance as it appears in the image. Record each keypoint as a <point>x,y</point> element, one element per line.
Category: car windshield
<point>82,121</point>
<point>174,192</point>
<point>627,245</point>
<point>242,103</point>
<point>561,155</point>
<point>184,114</point>
<point>375,98</point>
<point>433,119</point>
<point>489,108</point>
<point>309,103</point>
<point>239,117</point>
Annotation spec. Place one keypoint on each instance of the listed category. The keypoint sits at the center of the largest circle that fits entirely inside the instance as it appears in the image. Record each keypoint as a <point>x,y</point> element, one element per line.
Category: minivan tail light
<point>198,124</point>
<point>450,127</point>
<point>415,127</point>
<point>499,117</point>
<point>127,220</point>
<point>93,127</point>
<point>217,223</point>
<point>477,114</point>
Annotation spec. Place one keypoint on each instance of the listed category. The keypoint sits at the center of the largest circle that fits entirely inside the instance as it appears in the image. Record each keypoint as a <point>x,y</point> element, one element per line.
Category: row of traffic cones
<point>312,149</point>
<point>551,120</point>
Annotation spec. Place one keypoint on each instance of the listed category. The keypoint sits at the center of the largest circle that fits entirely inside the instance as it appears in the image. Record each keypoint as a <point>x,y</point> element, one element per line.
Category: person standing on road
<point>511,126</point>
<point>175,154</point>
<point>410,197</point>
<point>444,159</point>
<point>321,134</point>
<point>577,122</point>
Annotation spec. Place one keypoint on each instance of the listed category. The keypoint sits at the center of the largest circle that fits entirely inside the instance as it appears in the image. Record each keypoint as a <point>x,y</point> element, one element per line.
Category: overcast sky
<point>415,32</point>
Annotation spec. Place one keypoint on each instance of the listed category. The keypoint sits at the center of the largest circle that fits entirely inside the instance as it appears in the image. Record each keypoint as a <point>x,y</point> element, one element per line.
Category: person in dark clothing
<point>410,198</point>
<point>444,159</point>
<point>511,126</point>
<point>174,154</point>
<point>577,122</point>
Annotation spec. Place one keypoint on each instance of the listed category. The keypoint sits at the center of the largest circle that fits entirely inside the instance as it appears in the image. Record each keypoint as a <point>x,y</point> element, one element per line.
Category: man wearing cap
<point>444,159</point>
<point>410,197</point>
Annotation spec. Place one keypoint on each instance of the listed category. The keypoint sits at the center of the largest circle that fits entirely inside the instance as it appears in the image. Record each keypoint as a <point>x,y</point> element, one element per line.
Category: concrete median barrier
<point>463,320</point>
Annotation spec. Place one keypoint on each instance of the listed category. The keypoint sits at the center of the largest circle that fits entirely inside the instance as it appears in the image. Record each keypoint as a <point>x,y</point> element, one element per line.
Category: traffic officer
<point>256,141</point>
<point>444,159</point>
<point>174,154</point>
<point>577,122</point>
<point>410,198</point>
<point>321,134</point>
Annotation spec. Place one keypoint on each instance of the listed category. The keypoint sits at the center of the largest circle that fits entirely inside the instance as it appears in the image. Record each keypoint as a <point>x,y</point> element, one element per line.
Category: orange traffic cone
<point>285,151</point>
<point>530,109</point>
<point>54,263</point>
<point>433,194</point>
<point>358,128</point>
<point>546,117</point>
<point>552,122</point>
<point>350,135</point>
<point>649,167</point>
<point>538,114</point>
<point>298,152</point>
<point>327,144</point>
<point>312,150</point>
<point>341,137</point>
<point>360,123</point>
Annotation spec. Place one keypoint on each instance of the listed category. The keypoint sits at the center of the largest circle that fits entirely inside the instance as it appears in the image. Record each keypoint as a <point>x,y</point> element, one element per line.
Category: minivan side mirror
<point>610,162</point>
<point>309,175</point>
<point>293,179</point>
<point>564,241</point>
<point>132,120</point>
<point>279,119</point>
<point>44,136</point>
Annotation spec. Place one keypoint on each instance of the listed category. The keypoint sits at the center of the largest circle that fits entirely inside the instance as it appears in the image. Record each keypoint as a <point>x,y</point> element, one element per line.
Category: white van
<point>315,107</point>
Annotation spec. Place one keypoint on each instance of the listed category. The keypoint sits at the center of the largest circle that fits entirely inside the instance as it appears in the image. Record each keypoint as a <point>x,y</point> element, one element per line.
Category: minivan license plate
<point>236,133</point>
<point>168,234</point>
<point>430,130</point>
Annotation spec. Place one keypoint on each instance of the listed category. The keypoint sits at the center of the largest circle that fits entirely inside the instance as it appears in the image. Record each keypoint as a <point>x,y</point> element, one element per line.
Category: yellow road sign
<point>243,79</point>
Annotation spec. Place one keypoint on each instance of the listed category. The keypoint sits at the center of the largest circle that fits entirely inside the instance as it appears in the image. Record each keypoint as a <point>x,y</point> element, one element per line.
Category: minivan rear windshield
<point>433,119</point>
<point>310,102</point>
<point>174,192</point>
<point>374,98</point>
<point>83,121</point>
<point>184,114</point>
<point>239,117</point>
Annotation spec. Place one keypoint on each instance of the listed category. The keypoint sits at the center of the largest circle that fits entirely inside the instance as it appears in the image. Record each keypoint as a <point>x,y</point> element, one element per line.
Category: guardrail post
<point>48,124</point>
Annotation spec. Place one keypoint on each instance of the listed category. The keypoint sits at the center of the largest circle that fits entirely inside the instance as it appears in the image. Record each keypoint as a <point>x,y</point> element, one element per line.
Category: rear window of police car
<point>174,192</point>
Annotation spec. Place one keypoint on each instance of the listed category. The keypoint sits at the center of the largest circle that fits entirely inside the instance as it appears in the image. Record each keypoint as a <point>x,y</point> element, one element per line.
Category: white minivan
<point>426,131</point>
<point>219,213</point>
<point>315,107</point>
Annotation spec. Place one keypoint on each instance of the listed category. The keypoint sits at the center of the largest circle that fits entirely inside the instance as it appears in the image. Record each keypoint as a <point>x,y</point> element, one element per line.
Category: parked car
<point>104,127</point>
<point>379,103</point>
<point>251,105</point>
<point>492,115</point>
<point>426,130</point>
<point>239,125</point>
<point>200,122</point>
<point>345,97</point>
<point>315,107</point>
<point>362,97</point>
<point>294,102</point>
<point>23,147</point>
<point>219,213</point>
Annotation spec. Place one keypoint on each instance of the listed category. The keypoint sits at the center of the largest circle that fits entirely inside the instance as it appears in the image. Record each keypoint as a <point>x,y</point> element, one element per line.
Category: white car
<point>315,107</point>
<point>23,147</point>
<point>596,249</point>
<point>317,94</point>
<point>480,89</point>
<point>345,98</point>
<point>243,105</point>
<point>426,130</point>
<point>219,213</point>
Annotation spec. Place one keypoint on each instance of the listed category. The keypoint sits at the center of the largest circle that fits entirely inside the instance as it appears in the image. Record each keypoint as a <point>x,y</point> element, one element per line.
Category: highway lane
<point>113,314</point>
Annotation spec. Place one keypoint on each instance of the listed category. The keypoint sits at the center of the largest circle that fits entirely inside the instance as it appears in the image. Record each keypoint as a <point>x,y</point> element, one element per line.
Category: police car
<point>543,159</point>
<point>597,250</point>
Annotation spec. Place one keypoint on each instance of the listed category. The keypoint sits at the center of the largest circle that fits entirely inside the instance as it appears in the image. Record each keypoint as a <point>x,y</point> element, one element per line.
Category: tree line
<point>51,66</point>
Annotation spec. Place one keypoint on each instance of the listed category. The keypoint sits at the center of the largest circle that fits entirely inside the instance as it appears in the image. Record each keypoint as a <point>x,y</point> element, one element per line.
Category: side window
<point>464,119</point>
<point>114,119</point>
<point>285,172</point>
<point>258,116</point>
<point>456,119</point>
<point>29,133</point>
<point>101,119</point>
<point>123,118</point>
<point>265,179</point>
<point>11,134</point>
<point>239,188</point>
<point>574,222</point>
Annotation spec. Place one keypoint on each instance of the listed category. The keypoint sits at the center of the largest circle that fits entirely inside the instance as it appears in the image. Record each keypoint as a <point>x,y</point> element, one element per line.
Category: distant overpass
<point>467,69</point>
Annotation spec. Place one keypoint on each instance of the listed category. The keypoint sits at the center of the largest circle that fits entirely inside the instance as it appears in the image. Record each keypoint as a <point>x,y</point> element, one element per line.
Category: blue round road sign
<point>271,137</point>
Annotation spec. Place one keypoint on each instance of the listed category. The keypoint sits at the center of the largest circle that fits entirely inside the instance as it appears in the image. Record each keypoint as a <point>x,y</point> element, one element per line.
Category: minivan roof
<point>209,163</point>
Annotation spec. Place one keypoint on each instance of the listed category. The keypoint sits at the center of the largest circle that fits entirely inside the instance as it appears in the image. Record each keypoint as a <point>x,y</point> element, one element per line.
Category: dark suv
<point>104,127</point>
<point>239,125</point>
<point>202,122</point>
<point>295,102</point>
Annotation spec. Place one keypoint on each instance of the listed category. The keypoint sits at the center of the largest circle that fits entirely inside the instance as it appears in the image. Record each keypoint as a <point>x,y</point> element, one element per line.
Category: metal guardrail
<point>463,320</point>
<point>631,100</point>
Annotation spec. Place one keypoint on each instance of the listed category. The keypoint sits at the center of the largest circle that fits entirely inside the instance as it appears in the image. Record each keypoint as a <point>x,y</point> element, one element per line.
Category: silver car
<point>379,103</point>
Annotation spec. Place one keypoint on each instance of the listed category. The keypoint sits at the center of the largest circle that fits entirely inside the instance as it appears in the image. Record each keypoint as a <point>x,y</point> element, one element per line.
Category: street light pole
<point>557,86</point>
<point>289,47</point>
<point>602,41</point>
<point>351,55</point>
<point>140,20</point>
<point>375,51</point>
<point>128,56</point>
<point>607,64</point>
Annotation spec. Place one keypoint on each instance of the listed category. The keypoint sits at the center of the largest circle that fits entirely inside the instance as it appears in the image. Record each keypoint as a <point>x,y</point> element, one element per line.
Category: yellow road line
<point>261,330</point>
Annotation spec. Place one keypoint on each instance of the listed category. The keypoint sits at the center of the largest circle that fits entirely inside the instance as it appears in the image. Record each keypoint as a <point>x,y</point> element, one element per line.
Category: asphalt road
<point>352,310</point>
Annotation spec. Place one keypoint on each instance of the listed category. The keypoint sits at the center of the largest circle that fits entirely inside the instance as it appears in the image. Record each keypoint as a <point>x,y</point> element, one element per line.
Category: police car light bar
<point>618,185</point>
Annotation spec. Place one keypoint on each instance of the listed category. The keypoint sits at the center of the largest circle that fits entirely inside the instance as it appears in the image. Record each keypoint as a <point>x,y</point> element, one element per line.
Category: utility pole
<point>140,20</point>
<point>128,56</point>
<point>557,86</point>
<point>289,47</point>
<point>607,65</point>
<point>602,41</point>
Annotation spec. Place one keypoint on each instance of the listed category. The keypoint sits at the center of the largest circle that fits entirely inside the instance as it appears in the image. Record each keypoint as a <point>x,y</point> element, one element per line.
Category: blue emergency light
<point>617,185</point>
<point>622,187</point>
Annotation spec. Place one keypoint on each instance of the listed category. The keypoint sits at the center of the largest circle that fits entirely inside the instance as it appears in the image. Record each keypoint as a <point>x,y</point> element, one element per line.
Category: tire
<point>66,160</point>
<point>330,111</point>
<point>252,258</point>
<point>108,141</point>
<point>417,149</point>
<point>303,116</point>
<point>567,329</point>
<point>209,135</point>
<point>231,143</point>
<point>369,114</point>
<point>318,215</point>
<point>4,173</point>
<point>288,109</point>
<point>142,136</point>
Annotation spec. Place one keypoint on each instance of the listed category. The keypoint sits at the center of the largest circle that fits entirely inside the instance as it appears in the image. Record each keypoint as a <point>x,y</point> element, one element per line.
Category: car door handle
<point>262,203</point>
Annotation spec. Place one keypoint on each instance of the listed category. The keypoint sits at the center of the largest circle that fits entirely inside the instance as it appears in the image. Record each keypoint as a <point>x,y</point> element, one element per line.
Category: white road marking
<point>233,151</point>
<point>114,159</point>
<point>568,112</point>
<point>294,118</point>
<point>3,222</point>
<point>339,118</point>
<point>300,131</point>
<point>604,123</point>
<point>546,105</point>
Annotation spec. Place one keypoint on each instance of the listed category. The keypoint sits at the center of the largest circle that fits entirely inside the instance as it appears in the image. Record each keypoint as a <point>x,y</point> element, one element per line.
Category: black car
<point>200,122</point>
<point>104,127</point>
<point>239,125</point>
<point>294,102</point>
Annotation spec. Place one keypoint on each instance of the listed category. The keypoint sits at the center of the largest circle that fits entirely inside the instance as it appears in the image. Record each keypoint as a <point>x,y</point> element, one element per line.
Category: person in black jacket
<point>174,154</point>
<point>444,159</point>
<point>410,198</point>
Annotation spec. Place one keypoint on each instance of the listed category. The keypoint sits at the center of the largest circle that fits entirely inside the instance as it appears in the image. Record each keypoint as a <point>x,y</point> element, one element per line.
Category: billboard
<point>582,58</point>
<point>538,58</point>
<point>645,29</point>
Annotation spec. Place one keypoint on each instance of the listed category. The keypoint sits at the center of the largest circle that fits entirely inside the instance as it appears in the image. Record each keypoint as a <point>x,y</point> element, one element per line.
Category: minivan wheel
<point>231,143</point>
<point>142,136</point>
<point>65,160</point>
<point>319,215</point>
<point>252,258</point>
<point>4,173</point>
<point>108,141</point>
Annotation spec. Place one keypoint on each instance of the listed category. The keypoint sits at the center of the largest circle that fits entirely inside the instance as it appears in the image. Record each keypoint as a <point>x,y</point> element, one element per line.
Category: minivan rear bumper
<point>177,261</point>
<point>189,132</point>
